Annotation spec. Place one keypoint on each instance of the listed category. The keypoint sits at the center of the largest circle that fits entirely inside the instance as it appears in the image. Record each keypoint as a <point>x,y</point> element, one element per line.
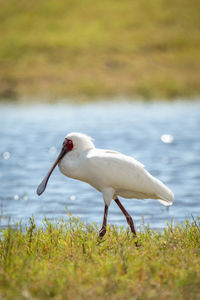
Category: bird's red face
<point>68,144</point>
<point>66,147</point>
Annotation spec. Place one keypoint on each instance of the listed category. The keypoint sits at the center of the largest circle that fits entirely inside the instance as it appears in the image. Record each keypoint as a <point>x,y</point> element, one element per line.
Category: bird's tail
<point>162,193</point>
<point>166,196</point>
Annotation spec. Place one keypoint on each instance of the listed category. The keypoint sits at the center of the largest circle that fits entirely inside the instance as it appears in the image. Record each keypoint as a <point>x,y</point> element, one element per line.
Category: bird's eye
<point>69,144</point>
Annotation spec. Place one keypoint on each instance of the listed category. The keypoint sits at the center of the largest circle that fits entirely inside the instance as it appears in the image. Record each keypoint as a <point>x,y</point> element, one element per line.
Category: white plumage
<point>112,173</point>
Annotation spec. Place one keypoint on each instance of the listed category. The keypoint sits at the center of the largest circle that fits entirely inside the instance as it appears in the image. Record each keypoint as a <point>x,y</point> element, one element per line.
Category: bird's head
<point>78,142</point>
<point>73,142</point>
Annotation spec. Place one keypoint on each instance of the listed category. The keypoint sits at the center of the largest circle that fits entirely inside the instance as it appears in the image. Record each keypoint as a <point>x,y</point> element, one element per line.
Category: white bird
<point>112,173</point>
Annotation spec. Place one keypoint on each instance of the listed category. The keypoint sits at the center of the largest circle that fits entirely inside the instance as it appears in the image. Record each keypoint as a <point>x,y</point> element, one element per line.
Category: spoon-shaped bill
<point>42,186</point>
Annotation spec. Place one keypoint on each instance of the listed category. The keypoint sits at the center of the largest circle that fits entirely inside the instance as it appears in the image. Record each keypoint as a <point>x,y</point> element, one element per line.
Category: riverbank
<point>85,50</point>
<point>66,260</point>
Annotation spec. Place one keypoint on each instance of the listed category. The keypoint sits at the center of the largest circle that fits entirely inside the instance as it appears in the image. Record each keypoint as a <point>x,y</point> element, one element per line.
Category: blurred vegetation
<point>76,48</point>
<point>66,260</point>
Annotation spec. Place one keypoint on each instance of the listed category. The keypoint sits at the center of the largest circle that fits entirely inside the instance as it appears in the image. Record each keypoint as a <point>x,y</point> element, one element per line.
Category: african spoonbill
<point>110,172</point>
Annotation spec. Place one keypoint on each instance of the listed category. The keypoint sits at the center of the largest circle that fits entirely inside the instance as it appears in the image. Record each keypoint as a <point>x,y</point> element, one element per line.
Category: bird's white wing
<point>116,169</point>
<point>125,175</point>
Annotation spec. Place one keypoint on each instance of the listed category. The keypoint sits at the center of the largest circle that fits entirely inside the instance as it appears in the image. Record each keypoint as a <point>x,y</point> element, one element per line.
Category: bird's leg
<point>103,228</point>
<point>128,217</point>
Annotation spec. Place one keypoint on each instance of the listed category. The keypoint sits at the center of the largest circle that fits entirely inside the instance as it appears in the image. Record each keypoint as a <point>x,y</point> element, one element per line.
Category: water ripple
<point>163,136</point>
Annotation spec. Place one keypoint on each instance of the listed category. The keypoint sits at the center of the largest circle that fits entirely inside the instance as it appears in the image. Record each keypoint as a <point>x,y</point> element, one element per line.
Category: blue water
<point>31,136</point>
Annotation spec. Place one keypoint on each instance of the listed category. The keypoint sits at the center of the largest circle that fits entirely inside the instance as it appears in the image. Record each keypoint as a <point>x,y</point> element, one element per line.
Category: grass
<point>66,260</point>
<point>87,49</point>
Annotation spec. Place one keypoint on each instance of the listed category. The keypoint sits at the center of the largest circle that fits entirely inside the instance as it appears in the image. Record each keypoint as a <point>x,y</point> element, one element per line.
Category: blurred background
<point>55,49</point>
<point>125,72</point>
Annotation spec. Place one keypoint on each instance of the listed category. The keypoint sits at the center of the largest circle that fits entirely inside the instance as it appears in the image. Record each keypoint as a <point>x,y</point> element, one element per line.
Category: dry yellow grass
<point>67,261</point>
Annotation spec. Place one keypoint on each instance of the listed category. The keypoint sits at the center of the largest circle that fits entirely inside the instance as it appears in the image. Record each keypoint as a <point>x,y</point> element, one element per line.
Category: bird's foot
<point>102,232</point>
<point>135,239</point>
<point>137,244</point>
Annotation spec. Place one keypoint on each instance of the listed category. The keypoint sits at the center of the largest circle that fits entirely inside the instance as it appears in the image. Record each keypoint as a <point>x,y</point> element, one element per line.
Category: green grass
<point>88,49</point>
<point>66,260</point>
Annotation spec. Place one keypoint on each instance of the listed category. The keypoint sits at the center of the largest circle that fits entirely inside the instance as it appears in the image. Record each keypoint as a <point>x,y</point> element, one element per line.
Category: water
<point>165,137</point>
